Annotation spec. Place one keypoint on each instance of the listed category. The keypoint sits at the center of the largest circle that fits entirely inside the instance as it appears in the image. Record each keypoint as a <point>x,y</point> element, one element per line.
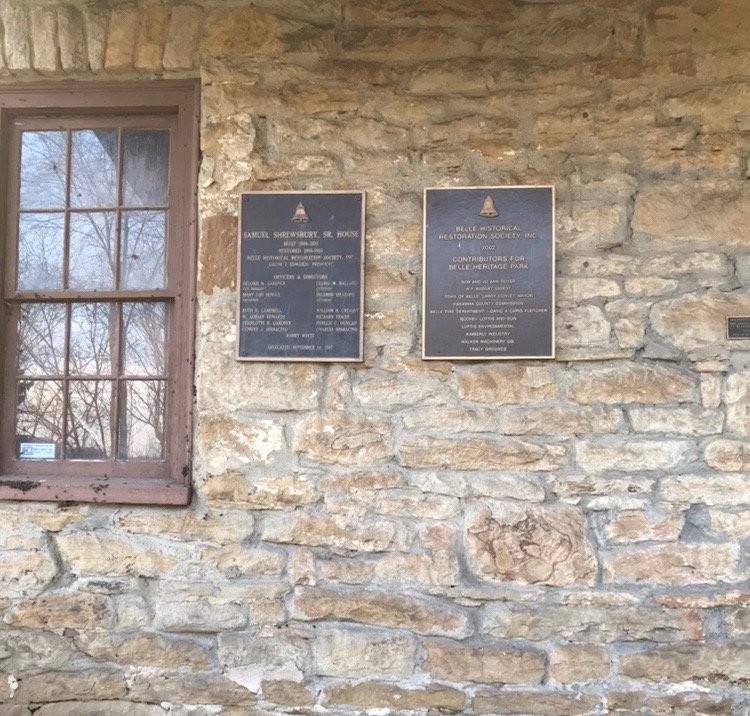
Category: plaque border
<point>553,271</point>
<point>728,335</point>
<point>361,329</point>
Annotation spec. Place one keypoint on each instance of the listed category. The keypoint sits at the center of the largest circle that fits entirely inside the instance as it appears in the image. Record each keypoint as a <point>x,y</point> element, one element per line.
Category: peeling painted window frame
<point>125,481</point>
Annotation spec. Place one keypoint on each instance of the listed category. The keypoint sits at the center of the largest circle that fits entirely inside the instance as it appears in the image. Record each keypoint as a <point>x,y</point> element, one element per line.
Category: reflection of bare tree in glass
<point>99,339</point>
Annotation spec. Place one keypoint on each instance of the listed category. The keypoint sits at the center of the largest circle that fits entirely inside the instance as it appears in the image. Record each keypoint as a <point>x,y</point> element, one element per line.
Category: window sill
<point>135,491</point>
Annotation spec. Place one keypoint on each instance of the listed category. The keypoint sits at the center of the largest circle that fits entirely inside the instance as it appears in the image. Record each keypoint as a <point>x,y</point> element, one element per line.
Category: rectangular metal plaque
<point>301,266</point>
<point>738,327</point>
<point>488,273</point>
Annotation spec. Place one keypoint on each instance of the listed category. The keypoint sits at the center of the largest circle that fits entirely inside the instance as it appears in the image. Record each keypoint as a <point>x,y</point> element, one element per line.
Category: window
<point>97,320</point>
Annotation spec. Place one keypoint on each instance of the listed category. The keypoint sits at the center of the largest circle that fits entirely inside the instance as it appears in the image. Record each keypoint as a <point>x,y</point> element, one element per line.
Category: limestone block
<point>475,454</point>
<point>182,37</point>
<point>504,384</point>
<point>650,384</point>
<point>700,215</point>
<point>535,703</point>
<point>692,420</point>
<point>347,653</point>
<point>395,393</point>
<point>27,565</point>
<point>627,454</point>
<point>189,687</point>
<point>659,524</point>
<point>92,684</point>
<point>572,663</point>
<point>375,695</point>
<point>96,22</point>
<point>31,650</point>
<point>287,693</point>
<point>436,418</point>
<point>584,329</point>
<point>573,291</point>
<point>58,611</point>
<point>17,47</point>
<point>494,485</point>
<point>650,286</point>
<point>702,664</point>
<point>530,545</point>
<point>605,492</point>
<point>730,489</point>
<point>388,609</point>
<point>591,226</point>
<point>737,401</point>
<point>70,26</point>
<point>405,44</point>
<point>484,664</point>
<point>121,38</point>
<point>242,32</point>
<point>674,564</point>
<point>218,253</point>
<point>736,525</point>
<point>343,439</point>
<point>232,490</point>
<point>211,526</point>
<point>43,23</point>
<point>738,623</point>
<point>371,12</point>
<point>563,419</point>
<point>728,455</point>
<point>152,30</point>
<point>228,444</point>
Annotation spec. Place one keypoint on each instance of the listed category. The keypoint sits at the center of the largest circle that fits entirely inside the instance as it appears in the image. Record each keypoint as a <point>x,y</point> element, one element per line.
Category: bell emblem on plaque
<point>300,214</point>
<point>488,208</point>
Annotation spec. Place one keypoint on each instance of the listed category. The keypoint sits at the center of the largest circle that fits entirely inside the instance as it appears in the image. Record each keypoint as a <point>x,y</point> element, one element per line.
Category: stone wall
<point>551,537</point>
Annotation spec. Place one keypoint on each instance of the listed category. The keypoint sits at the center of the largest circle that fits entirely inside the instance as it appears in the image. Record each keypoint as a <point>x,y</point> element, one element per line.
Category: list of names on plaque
<point>301,276</point>
<point>489,273</point>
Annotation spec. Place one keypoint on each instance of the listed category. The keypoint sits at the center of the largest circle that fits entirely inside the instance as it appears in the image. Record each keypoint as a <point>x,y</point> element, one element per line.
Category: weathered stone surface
<point>358,654</point>
<point>344,439</point>
<point>728,455</point>
<point>730,489</point>
<point>632,383</point>
<point>121,37</point>
<point>43,25</point>
<point>503,384</point>
<point>87,685</point>
<point>193,687</point>
<point>238,560</point>
<point>221,528</point>
<point>27,565</point>
<point>659,523</point>
<point>736,525</point>
<point>145,650</point>
<point>705,663</point>
<point>538,704</point>
<point>563,419</point>
<point>630,454</point>
<point>674,564</point>
<point>231,444</point>
<point>96,21</point>
<point>232,490</point>
<point>427,617</point>
<point>677,421</point>
<point>598,492</point>
<point>70,35</point>
<point>457,662</point>
<point>241,32</point>
<point>474,454</point>
<point>218,253</point>
<point>182,40</point>
<point>61,610</point>
<point>530,545</point>
<point>579,662</point>
<point>17,47</point>
<point>152,29</point>
<point>373,695</point>
<point>737,401</point>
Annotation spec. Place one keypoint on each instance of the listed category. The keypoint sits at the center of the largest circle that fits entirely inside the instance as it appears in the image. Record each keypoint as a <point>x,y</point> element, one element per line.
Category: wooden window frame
<point>89,481</point>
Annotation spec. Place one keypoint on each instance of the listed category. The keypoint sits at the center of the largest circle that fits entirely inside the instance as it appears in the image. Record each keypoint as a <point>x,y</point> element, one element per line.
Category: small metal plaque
<point>488,279</point>
<point>301,265</point>
<point>738,327</point>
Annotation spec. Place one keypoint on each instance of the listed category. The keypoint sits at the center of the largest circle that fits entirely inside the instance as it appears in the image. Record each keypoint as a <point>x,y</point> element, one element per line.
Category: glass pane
<point>144,327</point>
<point>93,339</point>
<point>41,243</point>
<point>41,339</point>
<point>42,170</point>
<point>145,162</point>
<point>142,249</point>
<point>90,405</point>
<point>92,250</point>
<point>93,171</point>
<point>39,419</point>
<point>142,420</point>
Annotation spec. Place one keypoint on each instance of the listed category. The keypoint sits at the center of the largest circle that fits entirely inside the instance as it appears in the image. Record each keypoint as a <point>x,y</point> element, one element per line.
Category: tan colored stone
<point>650,286</point>
<point>182,40</point>
<point>363,654</point>
<point>212,526</point>
<point>17,47</point>
<point>496,485</point>
<point>70,35</point>
<point>561,420</point>
<point>604,492</point>
<point>474,454</point>
<point>731,489</point>
<point>231,444</point>
<point>734,524</point>
<point>728,455</point>
<point>237,560</point>
<point>218,253</point>
<point>737,401</point>
<point>287,693</point>
<point>145,650</point>
<point>691,420</point>
<point>27,566</point>
<point>626,455</point>
<point>374,695</point>
<point>426,617</point>
<point>241,32</point>
<point>633,383</point>
<point>96,21</point>
<point>252,660</point>
<point>43,25</point>
<point>62,610</point>
<point>94,684</point>
<point>152,31</point>
<point>584,333</point>
<point>456,662</point>
<point>191,687</point>
<point>123,26</point>
<point>705,663</point>
<point>675,564</point>
<point>104,553</point>
<point>530,545</point>
<point>503,384</point>
<point>572,663</point>
<point>232,490</point>
<point>537,704</point>
<point>645,525</point>
<point>573,291</point>
<point>343,439</point>
<point>398,392</point>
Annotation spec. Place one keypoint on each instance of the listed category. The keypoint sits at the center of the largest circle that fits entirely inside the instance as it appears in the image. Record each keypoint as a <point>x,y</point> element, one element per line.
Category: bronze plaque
<point>488,273</point>
<point>300,284</point>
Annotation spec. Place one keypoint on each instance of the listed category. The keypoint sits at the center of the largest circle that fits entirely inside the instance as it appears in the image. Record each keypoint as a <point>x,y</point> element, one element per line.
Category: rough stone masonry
<point>566,536</point>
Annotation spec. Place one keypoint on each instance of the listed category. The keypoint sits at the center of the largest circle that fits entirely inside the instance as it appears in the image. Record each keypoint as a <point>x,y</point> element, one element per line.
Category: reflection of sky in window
<point>43,159</point>
<point>93,171</point>
<point>41,242</point>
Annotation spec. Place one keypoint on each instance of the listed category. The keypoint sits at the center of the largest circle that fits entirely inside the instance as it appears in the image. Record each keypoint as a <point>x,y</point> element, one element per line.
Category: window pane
<point>43,170</point>
<point>41,242</point>
<point>142,249</point>
<point>145,328</point>
<point>41,339</point>
<point>93,172</point>
<point>92,250</point>
<point>142,420</point>
<point>145,162</point>
<point>93,339</point>
<point>89,420</point>
<point>39,419</point>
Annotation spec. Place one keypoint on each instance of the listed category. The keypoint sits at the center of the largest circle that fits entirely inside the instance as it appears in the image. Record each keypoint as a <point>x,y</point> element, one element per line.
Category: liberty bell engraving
<point>488,208</point>
<point>300,214</point>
